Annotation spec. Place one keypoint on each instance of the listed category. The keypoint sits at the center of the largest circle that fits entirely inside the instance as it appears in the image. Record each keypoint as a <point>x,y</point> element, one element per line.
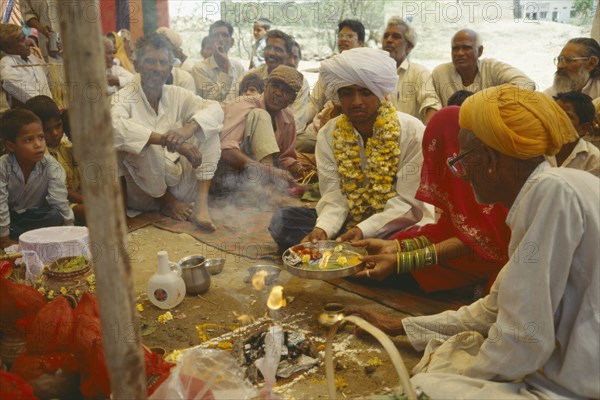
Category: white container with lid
<point>166,288</point>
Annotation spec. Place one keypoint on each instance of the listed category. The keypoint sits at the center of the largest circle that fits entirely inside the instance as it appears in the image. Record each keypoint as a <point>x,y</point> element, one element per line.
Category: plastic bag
<point>205,374</point>
<point>269,363</point>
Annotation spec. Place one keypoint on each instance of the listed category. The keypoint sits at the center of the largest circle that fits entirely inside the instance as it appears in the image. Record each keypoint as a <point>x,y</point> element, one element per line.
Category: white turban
<point>373,69</point>
<point>171,35</point>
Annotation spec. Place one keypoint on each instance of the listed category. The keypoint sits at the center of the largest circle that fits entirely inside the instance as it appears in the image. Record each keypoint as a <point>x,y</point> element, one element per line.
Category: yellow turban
<point>517,122</point>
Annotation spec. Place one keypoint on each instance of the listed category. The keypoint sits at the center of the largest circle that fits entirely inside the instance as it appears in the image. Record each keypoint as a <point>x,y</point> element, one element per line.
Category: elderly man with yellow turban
<point>536,334</point>
<point>369,158</point>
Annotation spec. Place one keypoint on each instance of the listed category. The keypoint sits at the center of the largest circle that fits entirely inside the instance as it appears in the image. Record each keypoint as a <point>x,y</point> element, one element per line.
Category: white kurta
<point>300,106</point>
<point>491,73</point>
<point>183,79</point>
<point>585,156</point>
<point>415,92</point>
<point>541,320</point>
<point>23,83</point>
<point>134,120</point>
<point>122,74</point>
<point>400,211</point>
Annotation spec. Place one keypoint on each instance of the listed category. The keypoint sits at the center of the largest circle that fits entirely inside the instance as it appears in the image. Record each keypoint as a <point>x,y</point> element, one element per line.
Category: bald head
<point>466,50</point>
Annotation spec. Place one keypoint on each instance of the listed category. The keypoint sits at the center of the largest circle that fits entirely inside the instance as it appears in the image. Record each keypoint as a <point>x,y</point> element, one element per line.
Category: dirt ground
<point>362,366</point>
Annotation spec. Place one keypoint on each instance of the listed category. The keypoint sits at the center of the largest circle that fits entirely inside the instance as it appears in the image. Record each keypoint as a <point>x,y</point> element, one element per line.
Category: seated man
<point>155,116</point>
<point>415,94</point>
<point>259,131</point>
<point>179,76</point>
<point>277,52</point>
<point>116,76</point>
<point>22,75</point>
<point>369,158</point>
<point>468,72</point>
<point>216,77</point>
<point>33,194</point>
<point>580,153</point>
<point>577,68</point>
<point>536,334</point>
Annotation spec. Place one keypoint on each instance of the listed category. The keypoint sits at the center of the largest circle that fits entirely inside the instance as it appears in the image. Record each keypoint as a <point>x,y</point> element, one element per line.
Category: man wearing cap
<point>259,132</point>
<point>536,334</point>
<point>167,138</point>
<point>216,76</point>
<point>369,158</point>
<point>277,52</point>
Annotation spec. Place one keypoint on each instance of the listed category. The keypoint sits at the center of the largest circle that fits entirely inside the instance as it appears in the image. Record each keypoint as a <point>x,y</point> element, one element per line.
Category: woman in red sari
<point>468,244</point>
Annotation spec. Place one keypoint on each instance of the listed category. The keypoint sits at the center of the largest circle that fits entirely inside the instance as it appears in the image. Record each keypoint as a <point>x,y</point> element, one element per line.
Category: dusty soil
<point>230,293</point>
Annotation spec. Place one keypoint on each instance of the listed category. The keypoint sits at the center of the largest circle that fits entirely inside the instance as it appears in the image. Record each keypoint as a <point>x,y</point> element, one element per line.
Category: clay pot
<point>10,347</point>
<point>72,280</point>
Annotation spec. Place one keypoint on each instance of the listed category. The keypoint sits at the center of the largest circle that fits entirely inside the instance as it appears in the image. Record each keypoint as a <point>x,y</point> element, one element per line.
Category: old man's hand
<point>351,234</point>
<point>314,236</point>
<point>175,137</point>
<point>192,153</point>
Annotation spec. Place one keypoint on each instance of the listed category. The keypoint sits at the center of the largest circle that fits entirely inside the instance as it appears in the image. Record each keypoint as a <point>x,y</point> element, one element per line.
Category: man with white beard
<point>577,68</point>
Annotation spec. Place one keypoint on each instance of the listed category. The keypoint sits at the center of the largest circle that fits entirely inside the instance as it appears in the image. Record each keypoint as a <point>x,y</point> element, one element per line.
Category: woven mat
<point>408,299</point>
<point>143,220</point>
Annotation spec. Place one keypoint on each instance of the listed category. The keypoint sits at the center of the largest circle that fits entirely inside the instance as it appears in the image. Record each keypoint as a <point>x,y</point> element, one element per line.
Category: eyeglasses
<point>348,36</point>
<point>456,165</point>
<point>567,59</point>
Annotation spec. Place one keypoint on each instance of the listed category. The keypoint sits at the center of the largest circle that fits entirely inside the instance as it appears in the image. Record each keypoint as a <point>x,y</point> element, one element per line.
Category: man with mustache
<point>577,68</point>
<point>415,94</point>
<point>167,138</point>
<point>369,158</point>
<point>277,52</point>
<point>468,72</point>
<point>217,75</point>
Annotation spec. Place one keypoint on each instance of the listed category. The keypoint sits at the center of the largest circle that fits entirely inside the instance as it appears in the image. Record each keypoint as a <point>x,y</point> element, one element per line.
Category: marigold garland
<point>367,192</point>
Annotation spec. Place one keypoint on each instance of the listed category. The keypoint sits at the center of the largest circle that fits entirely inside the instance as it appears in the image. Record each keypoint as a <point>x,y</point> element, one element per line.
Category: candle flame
<point>258,279</point>
<point>276,300</point>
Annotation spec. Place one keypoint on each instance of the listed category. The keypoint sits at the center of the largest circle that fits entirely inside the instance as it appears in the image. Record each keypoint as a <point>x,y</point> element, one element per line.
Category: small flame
<point>276,300</point>
<point>244,319</point>
<point>258,279</point>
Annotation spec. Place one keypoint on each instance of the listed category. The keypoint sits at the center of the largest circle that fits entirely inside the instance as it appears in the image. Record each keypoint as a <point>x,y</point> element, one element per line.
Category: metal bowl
<point>271,270</point>
<point>291,264</point>
<point>194,274</point>
<point>191,261</point>
<point>214,265</point>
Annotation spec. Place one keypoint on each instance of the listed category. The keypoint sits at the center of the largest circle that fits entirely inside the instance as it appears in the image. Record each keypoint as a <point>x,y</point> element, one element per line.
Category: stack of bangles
<point>415,254</point>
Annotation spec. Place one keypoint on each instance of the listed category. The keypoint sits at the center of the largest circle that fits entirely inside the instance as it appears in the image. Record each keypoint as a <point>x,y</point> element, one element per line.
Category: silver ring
<point>368,274</point>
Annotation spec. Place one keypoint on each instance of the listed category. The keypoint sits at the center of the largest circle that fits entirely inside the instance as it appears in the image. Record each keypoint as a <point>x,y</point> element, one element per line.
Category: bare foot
<point>171,207</point>
<point>201,217</point>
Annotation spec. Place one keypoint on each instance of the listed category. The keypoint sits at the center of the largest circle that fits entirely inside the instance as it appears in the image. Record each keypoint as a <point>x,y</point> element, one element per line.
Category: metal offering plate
<point>326,259</point>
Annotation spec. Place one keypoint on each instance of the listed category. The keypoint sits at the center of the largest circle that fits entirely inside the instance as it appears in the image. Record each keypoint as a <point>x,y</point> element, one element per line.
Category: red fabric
<point>13,387</point>
<point>108,15</point>
<point>481,227</point>
<point>89,352</point>
<point>18,302</point>
<point>52,328</point>
<point>88,305</point>
<point>156,366</point>
<point>30,366</point>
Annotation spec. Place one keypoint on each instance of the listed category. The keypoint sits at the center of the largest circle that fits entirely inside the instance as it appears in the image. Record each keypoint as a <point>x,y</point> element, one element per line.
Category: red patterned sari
<point>481,227</point>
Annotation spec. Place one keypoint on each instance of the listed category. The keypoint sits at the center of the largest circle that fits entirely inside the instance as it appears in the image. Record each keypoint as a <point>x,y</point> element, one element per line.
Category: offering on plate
<point>325,259</point>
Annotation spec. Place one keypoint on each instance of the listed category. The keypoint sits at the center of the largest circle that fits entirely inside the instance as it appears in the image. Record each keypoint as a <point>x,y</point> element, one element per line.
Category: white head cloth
<point>373,69</point>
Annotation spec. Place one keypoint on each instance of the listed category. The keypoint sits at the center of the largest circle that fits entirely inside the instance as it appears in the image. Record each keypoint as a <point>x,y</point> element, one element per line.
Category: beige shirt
<point>183,79</point>
<point>213,84</point>
<point>585,156</point>
<point>415,92</point>
<point>447,80</point>
<point>300,106</point>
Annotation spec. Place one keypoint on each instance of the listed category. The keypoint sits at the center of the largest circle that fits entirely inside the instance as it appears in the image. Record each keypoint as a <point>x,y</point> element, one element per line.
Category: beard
<point>565,82</point>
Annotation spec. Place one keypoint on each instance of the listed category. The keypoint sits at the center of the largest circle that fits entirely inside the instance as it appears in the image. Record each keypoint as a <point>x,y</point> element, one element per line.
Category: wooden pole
<point>94,149</point>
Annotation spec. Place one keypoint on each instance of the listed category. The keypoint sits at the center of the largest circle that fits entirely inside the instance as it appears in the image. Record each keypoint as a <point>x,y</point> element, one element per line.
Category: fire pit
<point>298,353</point>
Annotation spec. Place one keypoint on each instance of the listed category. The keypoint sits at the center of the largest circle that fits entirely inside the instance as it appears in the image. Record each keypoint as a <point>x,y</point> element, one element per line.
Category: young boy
<point>32,183</point>
<point>61,148</point>
<point>579,154</point>
<point>260,29</point>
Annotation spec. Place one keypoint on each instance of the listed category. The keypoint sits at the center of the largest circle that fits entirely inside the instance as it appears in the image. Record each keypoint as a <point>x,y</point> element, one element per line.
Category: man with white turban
<point>536,334</point>
<point>368,159</point>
